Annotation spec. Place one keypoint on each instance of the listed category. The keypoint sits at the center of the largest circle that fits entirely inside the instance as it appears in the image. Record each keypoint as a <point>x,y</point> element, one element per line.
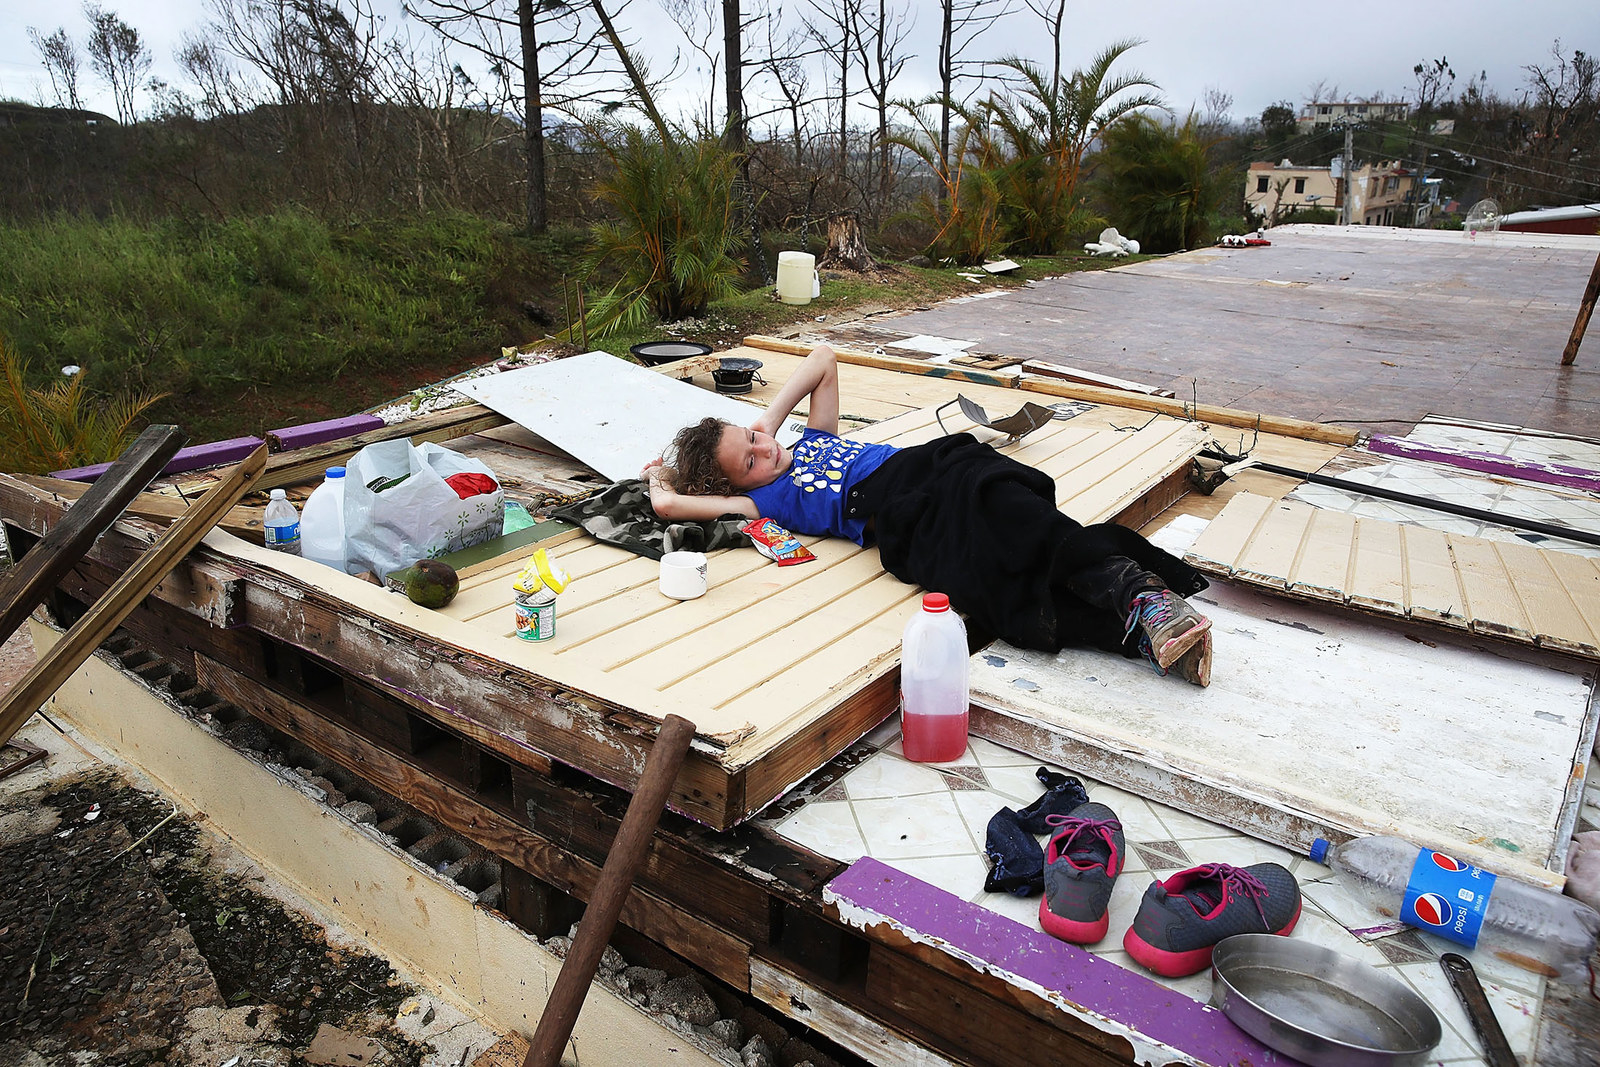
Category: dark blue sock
<point>1062,794</point>
<point>1017,861</point>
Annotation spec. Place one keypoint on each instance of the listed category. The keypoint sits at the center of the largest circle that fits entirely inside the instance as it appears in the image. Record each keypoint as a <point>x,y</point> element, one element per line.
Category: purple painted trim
<point>1488,463</point>
<point>1099,986</point>
<point>289,438</point>
<point>188,459</point>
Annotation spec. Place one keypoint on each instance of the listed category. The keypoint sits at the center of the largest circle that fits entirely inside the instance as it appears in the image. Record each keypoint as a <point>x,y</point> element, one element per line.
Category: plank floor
<point>769,646</point>
<point>1536,596</point>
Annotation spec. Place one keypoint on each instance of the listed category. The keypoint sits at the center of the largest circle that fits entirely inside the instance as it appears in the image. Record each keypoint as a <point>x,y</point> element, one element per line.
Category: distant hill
<point>14,113</point>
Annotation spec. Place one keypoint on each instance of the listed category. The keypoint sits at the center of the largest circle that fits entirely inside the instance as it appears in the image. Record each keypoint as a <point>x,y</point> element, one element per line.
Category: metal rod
<point>1548,529</point>
<point>626,856</point>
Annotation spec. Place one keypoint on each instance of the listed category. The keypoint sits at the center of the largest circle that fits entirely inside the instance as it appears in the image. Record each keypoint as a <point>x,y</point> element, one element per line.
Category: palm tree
<point>1044,131</point>
<point>1159,185</point>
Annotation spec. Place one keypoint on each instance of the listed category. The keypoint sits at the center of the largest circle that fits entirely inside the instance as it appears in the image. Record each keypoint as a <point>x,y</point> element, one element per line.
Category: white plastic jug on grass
<point>933,683</point>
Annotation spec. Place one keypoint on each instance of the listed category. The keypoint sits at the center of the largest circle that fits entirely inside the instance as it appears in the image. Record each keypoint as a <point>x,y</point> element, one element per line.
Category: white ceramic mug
<point>683,575</point>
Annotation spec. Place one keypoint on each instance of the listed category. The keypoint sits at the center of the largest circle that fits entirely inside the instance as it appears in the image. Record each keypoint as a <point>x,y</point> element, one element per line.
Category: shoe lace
<point>1152,608</point>
<point>1236,881</point>
<point>1102,828</point>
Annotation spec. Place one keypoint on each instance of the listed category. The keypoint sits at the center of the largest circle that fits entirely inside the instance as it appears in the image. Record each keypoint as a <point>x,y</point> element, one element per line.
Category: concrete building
<point>1329,113</point>
<point>1380,192</point>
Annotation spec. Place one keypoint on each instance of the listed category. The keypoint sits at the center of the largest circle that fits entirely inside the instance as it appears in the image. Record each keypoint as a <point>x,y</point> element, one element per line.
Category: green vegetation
<point>62,424</point>
<point>1159,183</point>
<point>671,234</point>
<point>210,312</point>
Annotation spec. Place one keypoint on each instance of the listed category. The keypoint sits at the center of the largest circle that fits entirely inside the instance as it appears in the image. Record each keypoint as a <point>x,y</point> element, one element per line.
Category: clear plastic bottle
<point>281,524</point>
<point>322,524</point>
<point>1537,929</point>
<point>933,683</point>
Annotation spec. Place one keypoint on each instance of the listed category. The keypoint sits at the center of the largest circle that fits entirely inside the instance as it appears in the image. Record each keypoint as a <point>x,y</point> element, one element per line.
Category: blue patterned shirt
<point>813,495</point>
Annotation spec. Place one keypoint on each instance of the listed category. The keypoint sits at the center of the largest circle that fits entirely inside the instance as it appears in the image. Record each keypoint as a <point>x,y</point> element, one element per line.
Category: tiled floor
<point>929,820</point>
<point>1439,482</point>
<point>1512,441</point>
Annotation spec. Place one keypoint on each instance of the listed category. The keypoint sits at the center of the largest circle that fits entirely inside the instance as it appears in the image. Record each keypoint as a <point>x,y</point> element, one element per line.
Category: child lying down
<point>951,515</point>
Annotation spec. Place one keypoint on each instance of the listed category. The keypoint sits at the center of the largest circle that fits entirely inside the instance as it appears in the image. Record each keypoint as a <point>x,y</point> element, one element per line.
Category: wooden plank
<point>24,586</point>
<point>1492,603</point>
<point>869,1038</point>
<point>195,457</point>
<point>1553,617</point>
<point>1226,537</point>
<point>1323,571</point>
<point>1434,587</point>
<point>241,520</point>
<point>1221,416</point>
<point>1269,556</point>
<point>302,465</point>
<point>1580,579</point>
<point>288,438</point>
<point>96,625</point>
<point>1377,567</point>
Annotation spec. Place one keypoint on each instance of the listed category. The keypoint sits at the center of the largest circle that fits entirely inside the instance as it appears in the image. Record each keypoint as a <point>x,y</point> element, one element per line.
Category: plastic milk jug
<point>322,524</point>
<point>1537,929</point>
<point>933,683</point>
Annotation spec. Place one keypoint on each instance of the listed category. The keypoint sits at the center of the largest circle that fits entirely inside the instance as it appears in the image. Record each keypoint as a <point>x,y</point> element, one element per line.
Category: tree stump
<point>847,248</point>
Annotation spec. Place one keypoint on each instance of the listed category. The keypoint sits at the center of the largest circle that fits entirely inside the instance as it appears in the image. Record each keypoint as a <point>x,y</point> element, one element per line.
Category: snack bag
<point>776,543</point>
<point>540,573</point>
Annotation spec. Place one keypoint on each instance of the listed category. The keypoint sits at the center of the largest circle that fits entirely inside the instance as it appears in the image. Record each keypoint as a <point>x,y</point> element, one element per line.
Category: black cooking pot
<point>736,374</point>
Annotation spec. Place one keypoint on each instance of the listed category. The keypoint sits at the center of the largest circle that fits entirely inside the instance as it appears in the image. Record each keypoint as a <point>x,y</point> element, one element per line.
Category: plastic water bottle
<point>281,523</point>
<point>322,525</point>
<point>1537,929</point>
<point>933,683</point>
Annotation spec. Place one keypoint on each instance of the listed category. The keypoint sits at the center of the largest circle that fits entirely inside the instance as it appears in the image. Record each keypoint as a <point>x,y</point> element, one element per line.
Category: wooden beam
<point>30,581</point>
<point>135,584</point>
<point>1221,416</point>
<point>241,521</point>
<point>291,468</point>
<point>1591,293</point>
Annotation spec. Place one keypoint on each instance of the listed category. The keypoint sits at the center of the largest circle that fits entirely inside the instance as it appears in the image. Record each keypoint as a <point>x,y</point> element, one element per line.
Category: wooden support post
<point>622,864</point>
<point>1585,308</point>
<point>41,569</point>
<point>55,666</point>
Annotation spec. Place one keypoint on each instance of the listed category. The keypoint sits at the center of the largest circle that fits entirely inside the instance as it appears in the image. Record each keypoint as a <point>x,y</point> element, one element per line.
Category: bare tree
<point>554,46</point>
<point>60,58</point>
<point>835,30</point>
<point>699,21</point>
<point>878,52</point>
<point>118,55</point>
<point>961,22</point>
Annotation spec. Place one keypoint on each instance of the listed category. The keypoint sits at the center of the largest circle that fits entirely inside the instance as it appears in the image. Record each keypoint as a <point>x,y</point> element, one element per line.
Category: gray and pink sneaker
<point>1081,864</point>
<point>1181,919</point>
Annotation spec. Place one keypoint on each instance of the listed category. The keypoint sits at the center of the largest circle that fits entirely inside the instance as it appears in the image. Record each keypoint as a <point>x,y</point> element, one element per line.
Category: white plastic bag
<point>421,517</point>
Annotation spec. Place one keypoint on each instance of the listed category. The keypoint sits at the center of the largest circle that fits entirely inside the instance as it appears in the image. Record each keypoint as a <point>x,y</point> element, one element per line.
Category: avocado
<point>431,583</point>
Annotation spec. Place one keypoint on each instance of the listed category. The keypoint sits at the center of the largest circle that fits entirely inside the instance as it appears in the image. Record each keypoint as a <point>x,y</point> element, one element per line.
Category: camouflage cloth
<point>621,515</point>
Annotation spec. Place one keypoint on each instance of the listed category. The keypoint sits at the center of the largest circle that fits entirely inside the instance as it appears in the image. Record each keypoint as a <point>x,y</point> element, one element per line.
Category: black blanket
<point>955,516</point>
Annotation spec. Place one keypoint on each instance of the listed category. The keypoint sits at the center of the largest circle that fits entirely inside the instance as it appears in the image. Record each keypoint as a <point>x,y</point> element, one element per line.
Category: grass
<point>285,318</point>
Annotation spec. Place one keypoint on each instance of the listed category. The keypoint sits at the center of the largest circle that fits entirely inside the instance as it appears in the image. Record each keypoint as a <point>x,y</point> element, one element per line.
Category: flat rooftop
<point>1369,327</point>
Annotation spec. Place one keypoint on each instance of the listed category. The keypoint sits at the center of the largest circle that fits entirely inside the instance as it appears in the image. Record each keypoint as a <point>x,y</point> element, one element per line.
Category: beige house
<point>1276,192</point>
<point>1330,113</point>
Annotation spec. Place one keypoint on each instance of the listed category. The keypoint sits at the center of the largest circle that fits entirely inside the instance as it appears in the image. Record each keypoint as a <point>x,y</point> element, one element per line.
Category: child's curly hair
<point>694,470</point>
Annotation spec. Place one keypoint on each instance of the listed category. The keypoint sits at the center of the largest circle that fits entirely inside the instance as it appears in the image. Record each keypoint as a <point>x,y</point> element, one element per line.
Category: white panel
<point>612,414</point>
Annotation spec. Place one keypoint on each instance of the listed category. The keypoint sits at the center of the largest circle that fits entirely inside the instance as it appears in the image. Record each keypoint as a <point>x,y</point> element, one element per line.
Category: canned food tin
<point>536,615</point>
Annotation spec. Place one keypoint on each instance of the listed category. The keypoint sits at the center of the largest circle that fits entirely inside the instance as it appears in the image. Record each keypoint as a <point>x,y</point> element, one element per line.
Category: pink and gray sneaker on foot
<point>1170,627</point>
<point>1081,864</point>
<point>1181,919</point>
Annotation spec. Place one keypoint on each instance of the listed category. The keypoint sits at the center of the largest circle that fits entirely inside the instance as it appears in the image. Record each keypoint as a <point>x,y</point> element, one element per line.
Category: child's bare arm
<point>818,378</point>
<point>670,504</point>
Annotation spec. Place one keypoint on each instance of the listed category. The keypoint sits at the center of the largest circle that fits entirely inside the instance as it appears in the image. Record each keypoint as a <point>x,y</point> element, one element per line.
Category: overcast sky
<point>1257,52</point>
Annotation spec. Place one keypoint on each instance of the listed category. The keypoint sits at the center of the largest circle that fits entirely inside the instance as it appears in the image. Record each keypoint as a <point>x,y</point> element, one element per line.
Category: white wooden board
<point>612,414</point>
<point>1318,718</point>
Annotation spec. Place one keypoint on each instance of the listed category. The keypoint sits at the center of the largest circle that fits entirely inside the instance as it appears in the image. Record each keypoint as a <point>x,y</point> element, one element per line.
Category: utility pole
<point>1349,137</point>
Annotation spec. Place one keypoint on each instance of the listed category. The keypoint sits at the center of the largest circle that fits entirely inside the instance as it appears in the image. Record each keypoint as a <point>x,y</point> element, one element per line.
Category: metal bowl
<point>1319,1006</point>
<point>655,353</point>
